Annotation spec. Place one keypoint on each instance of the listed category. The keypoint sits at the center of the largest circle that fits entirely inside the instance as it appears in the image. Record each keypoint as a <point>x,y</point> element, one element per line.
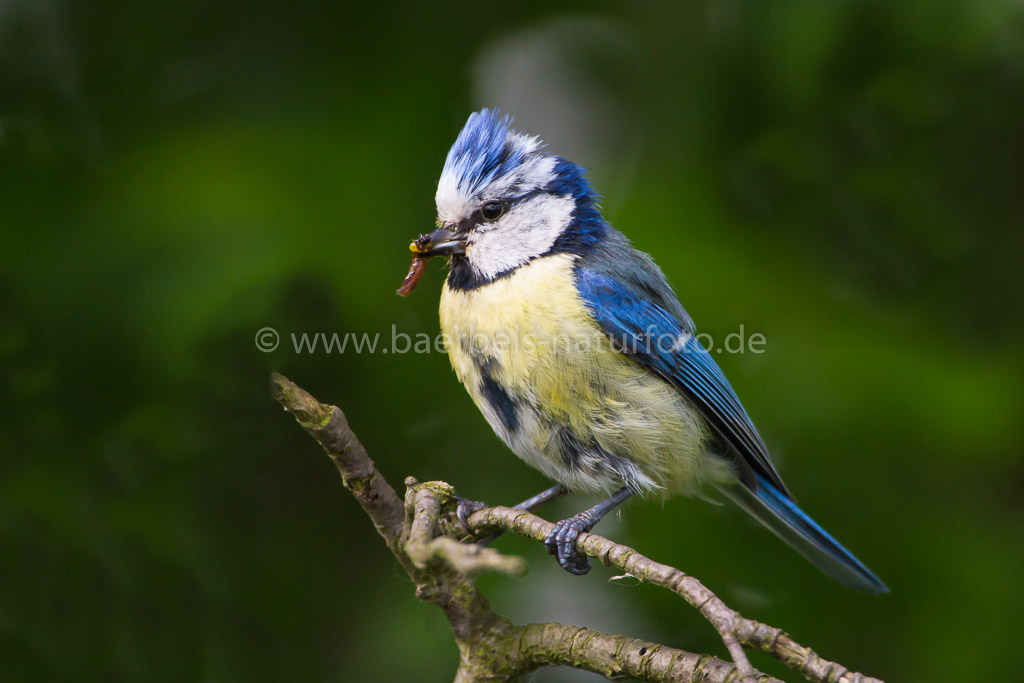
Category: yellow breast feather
<point>550,383</point>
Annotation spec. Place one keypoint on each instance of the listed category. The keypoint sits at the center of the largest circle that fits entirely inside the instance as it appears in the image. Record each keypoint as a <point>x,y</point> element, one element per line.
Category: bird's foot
<point>467,507</point>
<point>561,542</point>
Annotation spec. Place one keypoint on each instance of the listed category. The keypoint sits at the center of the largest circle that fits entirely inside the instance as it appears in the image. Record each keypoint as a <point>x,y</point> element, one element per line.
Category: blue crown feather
<point>487,149</point>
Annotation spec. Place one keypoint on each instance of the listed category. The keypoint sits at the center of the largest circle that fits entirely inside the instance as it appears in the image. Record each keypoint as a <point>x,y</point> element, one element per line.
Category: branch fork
<point>423,533</point>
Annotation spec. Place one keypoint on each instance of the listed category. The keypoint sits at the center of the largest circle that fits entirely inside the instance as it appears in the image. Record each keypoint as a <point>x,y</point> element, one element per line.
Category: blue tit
<point>579,355</point>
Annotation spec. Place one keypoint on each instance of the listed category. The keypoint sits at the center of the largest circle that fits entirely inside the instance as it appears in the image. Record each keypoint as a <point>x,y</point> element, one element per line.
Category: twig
<point>616,656</point>
<point>421,533</point>
<point>423,547</point>
<point>727,621</point>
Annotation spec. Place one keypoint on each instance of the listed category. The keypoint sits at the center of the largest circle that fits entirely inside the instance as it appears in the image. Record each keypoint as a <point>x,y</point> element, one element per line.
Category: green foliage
<point>841,177</point>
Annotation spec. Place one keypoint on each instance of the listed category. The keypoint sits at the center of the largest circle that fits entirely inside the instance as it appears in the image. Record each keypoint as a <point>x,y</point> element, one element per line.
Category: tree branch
<point>422,533</point>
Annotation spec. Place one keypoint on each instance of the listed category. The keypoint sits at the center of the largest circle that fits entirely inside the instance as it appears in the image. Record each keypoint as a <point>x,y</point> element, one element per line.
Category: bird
<point>580,356</point>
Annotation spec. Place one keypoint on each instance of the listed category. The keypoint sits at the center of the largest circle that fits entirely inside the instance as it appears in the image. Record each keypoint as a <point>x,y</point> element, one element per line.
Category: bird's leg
<point>467,507</point>
<point>545,496</point>
<point>529,505</point>
<point>561,542</point>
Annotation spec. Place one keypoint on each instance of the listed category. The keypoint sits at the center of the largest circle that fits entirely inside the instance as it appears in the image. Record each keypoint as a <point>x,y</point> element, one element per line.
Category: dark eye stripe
<point>477,217</point>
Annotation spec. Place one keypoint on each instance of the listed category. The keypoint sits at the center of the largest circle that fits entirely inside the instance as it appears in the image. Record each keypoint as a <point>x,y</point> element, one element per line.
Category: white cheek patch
<point>526,232</point>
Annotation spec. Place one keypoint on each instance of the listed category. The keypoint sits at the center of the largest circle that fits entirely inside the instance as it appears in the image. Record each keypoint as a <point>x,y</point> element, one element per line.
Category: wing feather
<point>645,331</point>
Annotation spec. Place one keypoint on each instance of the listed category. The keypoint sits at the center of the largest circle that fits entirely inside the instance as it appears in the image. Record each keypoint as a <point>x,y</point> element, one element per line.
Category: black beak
<point>441,242</point>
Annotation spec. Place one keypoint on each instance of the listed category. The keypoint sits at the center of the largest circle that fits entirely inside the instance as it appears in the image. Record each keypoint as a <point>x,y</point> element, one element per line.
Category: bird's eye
<point>492,211</point>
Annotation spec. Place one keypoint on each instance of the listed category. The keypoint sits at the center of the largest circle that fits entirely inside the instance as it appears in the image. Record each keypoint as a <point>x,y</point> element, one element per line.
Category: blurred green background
<point>844,177</point>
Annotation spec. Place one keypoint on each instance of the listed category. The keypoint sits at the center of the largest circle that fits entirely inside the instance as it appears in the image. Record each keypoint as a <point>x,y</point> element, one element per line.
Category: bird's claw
<point>561,542</point>
<point>467,507</point>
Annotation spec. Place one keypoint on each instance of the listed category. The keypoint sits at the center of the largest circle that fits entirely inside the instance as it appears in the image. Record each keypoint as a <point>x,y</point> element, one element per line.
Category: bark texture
<point>423,533</point>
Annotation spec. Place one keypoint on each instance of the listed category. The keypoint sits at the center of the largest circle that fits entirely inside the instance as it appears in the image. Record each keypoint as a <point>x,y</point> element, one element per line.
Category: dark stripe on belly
<point>570,448</point>
<point>499,400</point>
<point>586,456</point>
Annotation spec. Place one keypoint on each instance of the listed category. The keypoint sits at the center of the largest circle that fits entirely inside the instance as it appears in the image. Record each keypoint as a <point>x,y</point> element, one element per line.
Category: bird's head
<point>502,202</point>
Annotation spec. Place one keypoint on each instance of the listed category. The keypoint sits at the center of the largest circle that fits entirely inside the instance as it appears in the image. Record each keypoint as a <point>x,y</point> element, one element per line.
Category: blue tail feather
<point>780,514</point>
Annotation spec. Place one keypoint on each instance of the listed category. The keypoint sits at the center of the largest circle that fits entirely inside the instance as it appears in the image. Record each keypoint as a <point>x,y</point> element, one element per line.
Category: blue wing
<point>642,328</point>
<point>654,337</point>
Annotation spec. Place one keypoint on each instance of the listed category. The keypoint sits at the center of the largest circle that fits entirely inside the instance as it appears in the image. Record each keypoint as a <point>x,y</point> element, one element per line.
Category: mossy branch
<point>422,532</point>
